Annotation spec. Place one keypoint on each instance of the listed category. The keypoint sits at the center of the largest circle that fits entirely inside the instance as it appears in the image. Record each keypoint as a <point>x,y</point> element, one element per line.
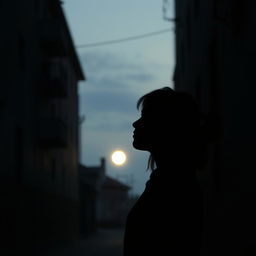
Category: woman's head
<point>169,123</point>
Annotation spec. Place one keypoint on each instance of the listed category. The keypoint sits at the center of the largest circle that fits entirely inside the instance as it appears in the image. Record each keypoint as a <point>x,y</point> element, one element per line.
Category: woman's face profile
<point>153,130</point>
<point>146,131</point>
<point>141,134</point>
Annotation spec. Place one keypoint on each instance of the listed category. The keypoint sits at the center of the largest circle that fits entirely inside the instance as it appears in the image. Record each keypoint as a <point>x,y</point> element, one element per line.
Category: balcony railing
<point>52,38</point>
<point>54,79</point>
<point>53,133</point>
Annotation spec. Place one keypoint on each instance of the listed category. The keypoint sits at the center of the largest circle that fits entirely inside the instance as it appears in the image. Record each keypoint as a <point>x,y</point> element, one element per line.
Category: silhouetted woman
<point>167,218</point>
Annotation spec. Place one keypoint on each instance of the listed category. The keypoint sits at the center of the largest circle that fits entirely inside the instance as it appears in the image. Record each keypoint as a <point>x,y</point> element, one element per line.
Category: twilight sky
<point>117,75</point>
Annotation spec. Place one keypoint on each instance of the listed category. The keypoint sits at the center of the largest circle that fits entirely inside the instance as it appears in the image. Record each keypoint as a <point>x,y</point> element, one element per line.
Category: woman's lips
<point>135,134</point>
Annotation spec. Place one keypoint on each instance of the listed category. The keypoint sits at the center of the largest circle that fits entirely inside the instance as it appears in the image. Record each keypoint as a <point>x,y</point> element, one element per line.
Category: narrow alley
<point>103,242</point>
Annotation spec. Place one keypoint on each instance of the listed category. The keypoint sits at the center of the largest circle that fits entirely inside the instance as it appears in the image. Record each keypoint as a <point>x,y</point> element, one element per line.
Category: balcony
<point>52,37</point>
<point>54,81</point>
<point>53,133</point>
<point>2,103</point>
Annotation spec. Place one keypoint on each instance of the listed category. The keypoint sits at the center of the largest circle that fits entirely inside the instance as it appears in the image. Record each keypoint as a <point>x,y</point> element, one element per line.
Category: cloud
<point>108,69</point>
<point>139,77</point>
<point>99,61</point>
<point>108,101</point>
<point>111,127</point>
<point>112,84</point>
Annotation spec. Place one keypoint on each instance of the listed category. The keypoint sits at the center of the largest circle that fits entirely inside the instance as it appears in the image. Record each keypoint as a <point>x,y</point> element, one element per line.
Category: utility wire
<point>124,39</point>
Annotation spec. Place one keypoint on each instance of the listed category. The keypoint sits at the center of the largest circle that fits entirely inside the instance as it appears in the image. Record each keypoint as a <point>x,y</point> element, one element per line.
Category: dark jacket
<point>167,218</point>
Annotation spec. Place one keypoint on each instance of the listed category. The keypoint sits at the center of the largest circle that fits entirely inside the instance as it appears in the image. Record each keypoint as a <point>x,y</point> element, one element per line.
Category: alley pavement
<point>103,242</point>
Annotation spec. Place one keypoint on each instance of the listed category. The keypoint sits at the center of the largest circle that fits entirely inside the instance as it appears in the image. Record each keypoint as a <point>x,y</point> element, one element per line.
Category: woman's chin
<point>139,146</point>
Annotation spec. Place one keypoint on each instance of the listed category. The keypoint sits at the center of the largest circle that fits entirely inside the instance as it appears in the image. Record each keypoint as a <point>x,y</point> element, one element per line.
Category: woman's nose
<point>135,123</point>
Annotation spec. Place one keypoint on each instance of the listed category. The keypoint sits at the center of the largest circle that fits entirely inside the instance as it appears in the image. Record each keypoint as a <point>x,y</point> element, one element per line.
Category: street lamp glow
<point>118,157</point>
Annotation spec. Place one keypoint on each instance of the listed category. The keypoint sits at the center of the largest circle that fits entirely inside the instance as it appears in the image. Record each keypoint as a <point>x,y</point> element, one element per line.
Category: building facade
<point>39,125</point>
<point>215,55</point>
<point>91,180</point>
<point>113,203</point>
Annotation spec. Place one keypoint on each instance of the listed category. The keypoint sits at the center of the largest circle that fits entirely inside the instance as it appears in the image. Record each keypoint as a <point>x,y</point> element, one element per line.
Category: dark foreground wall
<point>32,220</point>
<point>215,50</point>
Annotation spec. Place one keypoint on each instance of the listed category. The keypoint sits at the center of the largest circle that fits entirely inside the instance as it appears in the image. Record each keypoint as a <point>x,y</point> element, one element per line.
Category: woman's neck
<point>172,160</point>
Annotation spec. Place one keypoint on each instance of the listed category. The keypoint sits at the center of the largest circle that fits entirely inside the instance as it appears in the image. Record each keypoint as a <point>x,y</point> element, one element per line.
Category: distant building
<point>104,200</point>
<point>91,180</point>
<point>215,61</point>
<point>39,125</point>
<point>113,203</point>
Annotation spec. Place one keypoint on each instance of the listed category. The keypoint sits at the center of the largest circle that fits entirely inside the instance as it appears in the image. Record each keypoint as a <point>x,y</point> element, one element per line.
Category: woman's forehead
<point>159,109</point>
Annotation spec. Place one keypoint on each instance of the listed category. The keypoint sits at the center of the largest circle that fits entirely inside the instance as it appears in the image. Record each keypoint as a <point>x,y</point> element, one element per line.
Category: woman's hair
<point>180,113</point>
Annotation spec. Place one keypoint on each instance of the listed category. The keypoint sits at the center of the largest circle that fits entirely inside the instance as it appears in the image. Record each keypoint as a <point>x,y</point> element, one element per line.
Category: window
<point>198,89</point>
<point>53,169</point>
<point>53,109</point>
<point>188,28</point>
<point>221,10</point>
<point>239,16</point>
<point>21,52</point>
<point>197,5</point>
<point>64,178</point>
<point>18,147</point>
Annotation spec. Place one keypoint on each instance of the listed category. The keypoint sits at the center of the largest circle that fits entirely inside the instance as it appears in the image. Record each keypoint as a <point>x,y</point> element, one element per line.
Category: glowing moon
<point>118,157</point>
